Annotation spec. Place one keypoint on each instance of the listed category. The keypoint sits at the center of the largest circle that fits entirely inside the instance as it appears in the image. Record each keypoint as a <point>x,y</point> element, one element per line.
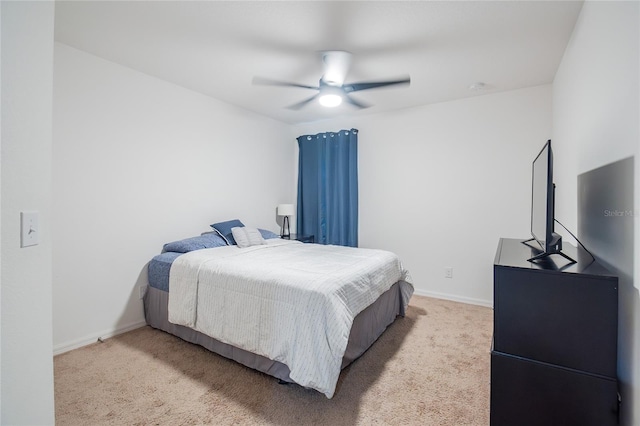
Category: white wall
<point>440,184</point>
<point>26,337</point>
<point>0,214</point>
<point>139,162</point>
<point>596,121</point>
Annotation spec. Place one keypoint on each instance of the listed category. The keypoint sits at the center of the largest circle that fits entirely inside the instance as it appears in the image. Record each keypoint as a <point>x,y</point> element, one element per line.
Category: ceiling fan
<point>332,90</point>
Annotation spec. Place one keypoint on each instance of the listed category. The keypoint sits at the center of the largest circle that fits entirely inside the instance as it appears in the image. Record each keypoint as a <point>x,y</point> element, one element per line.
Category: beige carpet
<point>429,368</point>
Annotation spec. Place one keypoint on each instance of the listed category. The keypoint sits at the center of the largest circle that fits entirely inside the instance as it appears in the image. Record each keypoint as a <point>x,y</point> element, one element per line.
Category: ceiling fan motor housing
<point>336,66</point>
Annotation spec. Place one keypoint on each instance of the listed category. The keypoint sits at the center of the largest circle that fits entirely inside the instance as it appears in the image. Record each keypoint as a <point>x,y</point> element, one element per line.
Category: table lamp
<point>285,210</point>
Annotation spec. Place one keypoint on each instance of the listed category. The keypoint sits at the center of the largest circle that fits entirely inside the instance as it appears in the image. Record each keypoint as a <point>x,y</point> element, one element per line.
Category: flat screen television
<point>543,205</point>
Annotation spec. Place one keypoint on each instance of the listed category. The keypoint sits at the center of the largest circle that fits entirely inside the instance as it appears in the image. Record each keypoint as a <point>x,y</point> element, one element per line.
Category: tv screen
<point>542,205</point>
<point>542,197</point>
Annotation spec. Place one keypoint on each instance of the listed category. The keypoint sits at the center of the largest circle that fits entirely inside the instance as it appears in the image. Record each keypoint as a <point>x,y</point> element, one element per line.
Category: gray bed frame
<point>368,325</point>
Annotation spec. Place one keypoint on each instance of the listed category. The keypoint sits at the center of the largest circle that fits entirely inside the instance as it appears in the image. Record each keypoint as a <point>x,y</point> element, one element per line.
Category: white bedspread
<point>290,302</point>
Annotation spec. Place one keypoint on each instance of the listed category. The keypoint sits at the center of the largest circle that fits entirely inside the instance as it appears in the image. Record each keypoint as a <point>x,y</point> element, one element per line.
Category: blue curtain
<point>328,187</point>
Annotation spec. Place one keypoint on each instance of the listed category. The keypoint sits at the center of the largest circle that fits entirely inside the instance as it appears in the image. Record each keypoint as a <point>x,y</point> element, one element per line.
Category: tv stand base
<point>545,254</point>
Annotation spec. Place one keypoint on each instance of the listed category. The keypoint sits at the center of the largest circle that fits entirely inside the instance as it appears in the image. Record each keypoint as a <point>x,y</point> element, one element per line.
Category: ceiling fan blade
<point>354,87</point>
<point>303,103</point>
<point>350,100</point>
<point>268,82</point>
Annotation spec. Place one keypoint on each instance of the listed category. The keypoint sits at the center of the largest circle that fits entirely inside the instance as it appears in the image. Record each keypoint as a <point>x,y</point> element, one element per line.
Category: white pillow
<point>246,237</point>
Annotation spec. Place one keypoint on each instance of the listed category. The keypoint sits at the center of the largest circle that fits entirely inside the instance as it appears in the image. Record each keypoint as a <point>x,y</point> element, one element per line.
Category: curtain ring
<point>308,138</point>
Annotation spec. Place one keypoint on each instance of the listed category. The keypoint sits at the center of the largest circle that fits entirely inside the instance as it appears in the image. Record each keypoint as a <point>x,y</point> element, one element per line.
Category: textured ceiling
<point>217,47</point>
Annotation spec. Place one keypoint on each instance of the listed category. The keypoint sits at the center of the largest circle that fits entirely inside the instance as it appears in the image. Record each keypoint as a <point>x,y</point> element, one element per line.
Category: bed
<point>298,312</point>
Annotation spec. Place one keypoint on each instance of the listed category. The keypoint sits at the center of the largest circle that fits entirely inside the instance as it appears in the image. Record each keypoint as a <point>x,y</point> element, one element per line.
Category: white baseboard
<point>455,298</point>
<point>84,341</point>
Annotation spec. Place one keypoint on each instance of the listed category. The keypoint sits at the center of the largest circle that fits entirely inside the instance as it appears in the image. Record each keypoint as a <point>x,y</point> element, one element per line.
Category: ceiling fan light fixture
<point>330,100</point>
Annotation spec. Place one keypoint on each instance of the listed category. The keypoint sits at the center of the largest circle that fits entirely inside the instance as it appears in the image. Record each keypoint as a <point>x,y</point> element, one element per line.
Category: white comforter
<point>290,302</point>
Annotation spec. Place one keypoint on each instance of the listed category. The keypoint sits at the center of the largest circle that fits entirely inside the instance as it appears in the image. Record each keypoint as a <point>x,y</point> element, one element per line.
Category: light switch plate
<point>29,235</point>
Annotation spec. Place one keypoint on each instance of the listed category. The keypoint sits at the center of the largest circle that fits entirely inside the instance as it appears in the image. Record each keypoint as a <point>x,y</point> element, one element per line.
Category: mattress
<point>159,268</point>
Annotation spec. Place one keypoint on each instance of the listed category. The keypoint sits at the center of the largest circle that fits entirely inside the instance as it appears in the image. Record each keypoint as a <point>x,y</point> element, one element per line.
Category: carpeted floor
<point>429,368</point>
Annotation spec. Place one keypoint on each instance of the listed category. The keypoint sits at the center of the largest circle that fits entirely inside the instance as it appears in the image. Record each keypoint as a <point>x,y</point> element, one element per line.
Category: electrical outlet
<point>448,272</point>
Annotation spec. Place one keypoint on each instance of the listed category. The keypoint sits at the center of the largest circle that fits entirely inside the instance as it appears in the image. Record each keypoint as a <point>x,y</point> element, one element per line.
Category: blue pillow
<point>195,243</point>
<point>224,229</point>
<point>268,234</point>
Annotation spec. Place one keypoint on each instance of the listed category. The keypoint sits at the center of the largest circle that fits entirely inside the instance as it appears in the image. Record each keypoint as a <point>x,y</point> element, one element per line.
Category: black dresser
<point>554,354</point>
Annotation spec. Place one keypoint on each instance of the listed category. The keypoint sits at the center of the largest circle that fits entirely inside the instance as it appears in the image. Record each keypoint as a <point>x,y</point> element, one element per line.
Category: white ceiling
<point>217,47</point>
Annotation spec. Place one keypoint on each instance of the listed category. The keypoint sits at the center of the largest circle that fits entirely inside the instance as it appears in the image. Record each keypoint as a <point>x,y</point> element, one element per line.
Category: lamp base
<point>285,228</point>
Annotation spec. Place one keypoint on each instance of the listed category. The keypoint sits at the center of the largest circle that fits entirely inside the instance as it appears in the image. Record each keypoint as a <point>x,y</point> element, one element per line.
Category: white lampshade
<point>286,210</point>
